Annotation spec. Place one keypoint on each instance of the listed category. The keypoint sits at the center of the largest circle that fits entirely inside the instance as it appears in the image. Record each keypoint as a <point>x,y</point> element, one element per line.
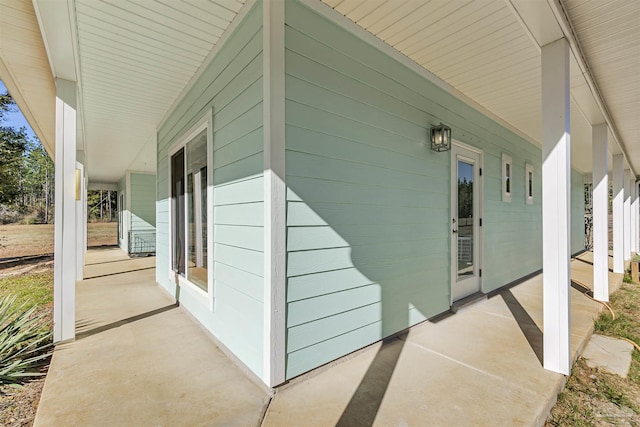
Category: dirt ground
<point>18,406</point>
<point>25,240</point>
<point>594,397</point>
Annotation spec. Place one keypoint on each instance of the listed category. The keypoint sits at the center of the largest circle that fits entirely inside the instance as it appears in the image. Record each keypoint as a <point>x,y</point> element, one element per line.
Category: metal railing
<point>142,242</point>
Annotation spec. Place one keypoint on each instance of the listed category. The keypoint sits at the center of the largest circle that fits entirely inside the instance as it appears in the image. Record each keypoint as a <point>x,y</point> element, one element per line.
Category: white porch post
<point>633,210</point>
<point>618,217</point>
<point>81,220</point>
<point>65,213</point>
<point>556,196</point>
<point>275,191</point>
<point>600,202</point>
<point>626,215</point>
<point>636,216</point>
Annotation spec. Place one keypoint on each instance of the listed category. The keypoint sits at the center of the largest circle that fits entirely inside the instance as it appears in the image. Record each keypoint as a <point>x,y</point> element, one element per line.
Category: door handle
<point>454,231</point>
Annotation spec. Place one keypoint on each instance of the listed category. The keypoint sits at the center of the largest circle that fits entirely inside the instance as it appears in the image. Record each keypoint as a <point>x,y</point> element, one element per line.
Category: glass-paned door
<point>465,222</point>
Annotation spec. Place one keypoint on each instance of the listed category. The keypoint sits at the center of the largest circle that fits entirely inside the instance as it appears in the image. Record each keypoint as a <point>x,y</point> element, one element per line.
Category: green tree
<point>26,170</point>
<point>13,144</point>
<point>37,187</point>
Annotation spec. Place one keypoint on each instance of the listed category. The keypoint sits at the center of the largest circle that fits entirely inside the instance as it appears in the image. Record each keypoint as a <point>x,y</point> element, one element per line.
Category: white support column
<point>65,213</point>
<point>556,196</point>
<point>600,151</point>
<point>626,215</point>
<point>636,215</point>
<point>85,243</point>
<point>275,192</point>
<point>633,242</point>
<point>81,220</point>
<point>618,216</point>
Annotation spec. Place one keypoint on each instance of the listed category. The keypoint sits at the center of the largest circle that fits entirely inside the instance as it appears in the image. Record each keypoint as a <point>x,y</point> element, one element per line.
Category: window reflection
<point>465,219</point>
<point>196,178</point>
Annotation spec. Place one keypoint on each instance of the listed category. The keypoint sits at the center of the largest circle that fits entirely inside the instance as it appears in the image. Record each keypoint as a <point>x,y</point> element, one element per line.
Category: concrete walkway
<point>139,360</point>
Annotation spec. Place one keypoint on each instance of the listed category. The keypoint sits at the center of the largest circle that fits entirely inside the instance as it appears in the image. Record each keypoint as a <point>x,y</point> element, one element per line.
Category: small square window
<point>528,180</point>
<point>507,183</point>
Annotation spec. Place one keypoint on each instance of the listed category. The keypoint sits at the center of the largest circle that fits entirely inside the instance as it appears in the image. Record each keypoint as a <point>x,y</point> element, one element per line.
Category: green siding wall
<point>232,85</point>
<point>143,201</point>
<point>368,202</point>
<point>577,212</point>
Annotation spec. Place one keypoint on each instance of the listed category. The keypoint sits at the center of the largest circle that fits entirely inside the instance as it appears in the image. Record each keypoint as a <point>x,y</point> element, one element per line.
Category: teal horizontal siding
<point>143,201</point>
<point>232,86</point>
<point>368,221</point>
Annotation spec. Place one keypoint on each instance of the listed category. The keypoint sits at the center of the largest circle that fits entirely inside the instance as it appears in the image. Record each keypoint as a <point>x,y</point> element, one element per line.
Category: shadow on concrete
<point>102,247</point>
<point>590,263</point>
<point>126,321</point>
<point>108,262</point>
<point>365,402</point>
<point>531,331</point>
<point>119,272</point>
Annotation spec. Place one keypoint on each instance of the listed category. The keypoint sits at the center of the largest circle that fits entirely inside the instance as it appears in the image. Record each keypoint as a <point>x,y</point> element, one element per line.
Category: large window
<point>189,208</point>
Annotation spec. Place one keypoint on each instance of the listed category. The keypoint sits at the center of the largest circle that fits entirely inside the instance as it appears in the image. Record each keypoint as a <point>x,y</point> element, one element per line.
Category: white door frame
<point>478,204</point>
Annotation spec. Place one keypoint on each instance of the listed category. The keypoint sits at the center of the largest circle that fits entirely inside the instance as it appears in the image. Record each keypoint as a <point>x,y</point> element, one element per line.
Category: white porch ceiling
<point>490,51</point>
<point>136,57</point>
<point>608,32</point>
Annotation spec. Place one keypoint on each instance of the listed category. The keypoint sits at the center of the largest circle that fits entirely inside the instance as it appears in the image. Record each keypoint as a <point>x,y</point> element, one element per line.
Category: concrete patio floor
<point>140,360</point>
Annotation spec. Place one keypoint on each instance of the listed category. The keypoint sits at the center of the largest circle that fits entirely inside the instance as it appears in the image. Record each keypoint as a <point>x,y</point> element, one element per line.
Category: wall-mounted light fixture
<point>78,184</point>
<point>440,138</point>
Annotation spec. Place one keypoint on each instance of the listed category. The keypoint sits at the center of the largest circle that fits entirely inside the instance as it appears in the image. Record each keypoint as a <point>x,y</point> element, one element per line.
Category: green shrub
<point>24,344</point>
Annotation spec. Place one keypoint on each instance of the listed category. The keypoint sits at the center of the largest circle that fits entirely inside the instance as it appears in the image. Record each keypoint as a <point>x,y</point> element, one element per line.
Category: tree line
<point>27,189</point>
<point>26,173</point>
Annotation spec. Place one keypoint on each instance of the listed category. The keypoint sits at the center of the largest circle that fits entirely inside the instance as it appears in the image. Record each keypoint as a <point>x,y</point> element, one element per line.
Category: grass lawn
<point>596,398</point>
<point>30,289</point>
<point>18,405</point>
<point>37,239</point>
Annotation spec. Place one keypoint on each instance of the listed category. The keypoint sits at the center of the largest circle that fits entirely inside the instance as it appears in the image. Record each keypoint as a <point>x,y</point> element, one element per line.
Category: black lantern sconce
<point>440,138</point>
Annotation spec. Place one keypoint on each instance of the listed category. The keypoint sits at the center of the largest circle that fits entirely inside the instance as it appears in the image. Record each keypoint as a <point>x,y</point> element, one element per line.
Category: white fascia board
<point>12,86</point>
<point>59,31</point>
<point>58,26</point>
<point>105,186</point>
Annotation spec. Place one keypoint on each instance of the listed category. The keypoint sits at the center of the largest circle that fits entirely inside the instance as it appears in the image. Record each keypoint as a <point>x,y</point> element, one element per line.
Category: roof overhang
<point>25,70</point>
<point>489,52</point>
<point>134,60</point>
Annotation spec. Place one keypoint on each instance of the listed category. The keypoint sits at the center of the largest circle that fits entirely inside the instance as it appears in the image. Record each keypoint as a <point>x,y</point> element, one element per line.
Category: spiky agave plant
<point>25,343</point>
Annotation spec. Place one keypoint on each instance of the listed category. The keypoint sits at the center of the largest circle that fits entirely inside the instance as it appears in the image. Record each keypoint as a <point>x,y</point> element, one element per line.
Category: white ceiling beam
<point>564,23</point>
<point>59,30</point>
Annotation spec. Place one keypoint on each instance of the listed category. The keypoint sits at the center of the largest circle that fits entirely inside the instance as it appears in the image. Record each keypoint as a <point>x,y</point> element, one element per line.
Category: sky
<point>15,119</point>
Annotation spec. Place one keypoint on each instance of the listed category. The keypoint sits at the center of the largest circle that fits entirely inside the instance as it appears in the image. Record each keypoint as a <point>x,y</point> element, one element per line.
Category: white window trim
<point>528,168</point>
<point>507,195</point>
<point>207,298</point>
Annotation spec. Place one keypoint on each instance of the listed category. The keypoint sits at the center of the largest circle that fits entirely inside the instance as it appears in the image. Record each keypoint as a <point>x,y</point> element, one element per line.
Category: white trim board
<point>206,297</point>
<point>275,194</point>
